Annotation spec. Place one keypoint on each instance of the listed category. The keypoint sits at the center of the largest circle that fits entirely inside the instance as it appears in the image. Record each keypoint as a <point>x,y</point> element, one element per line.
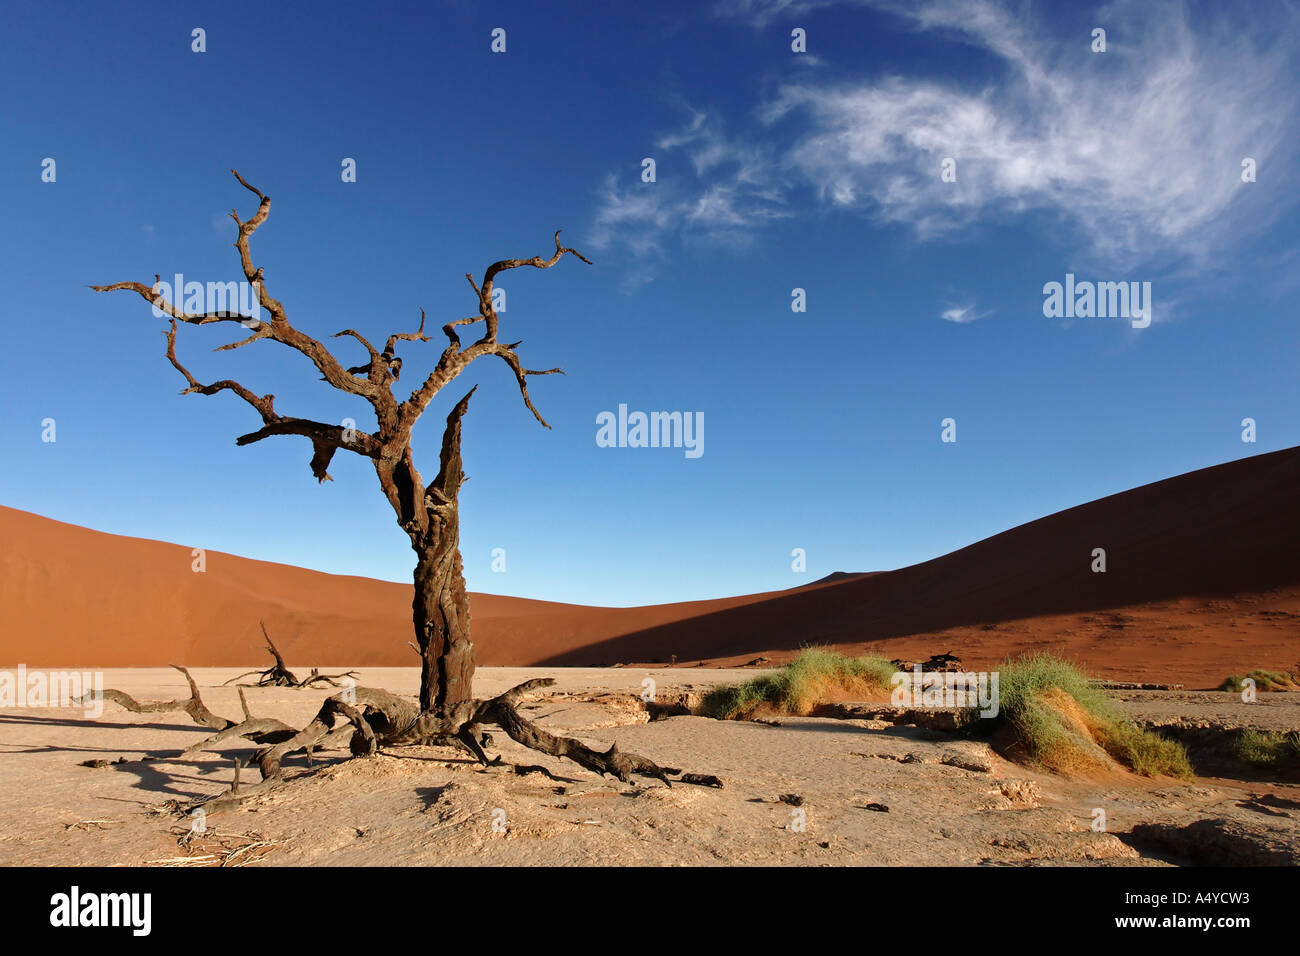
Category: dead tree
<point>279,674</point>
<point>426,511</point>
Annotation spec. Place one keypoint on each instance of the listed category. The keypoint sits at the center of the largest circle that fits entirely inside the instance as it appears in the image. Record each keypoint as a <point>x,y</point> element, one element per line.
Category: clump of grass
<point>1264,680</point>
<point>1266,748</point>
<point>1060,719</point>
<point>816,676</point>
<point>1025,678</point>
<point>1067,724</point>
<point>1144,751</point>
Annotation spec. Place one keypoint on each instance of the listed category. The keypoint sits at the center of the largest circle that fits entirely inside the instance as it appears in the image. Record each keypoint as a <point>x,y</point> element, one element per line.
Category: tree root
<point>372,718</point>
<point>261,730</point>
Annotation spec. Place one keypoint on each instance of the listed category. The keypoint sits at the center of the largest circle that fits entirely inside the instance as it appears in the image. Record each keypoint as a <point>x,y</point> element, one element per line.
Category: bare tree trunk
<point>440,608</point>
<point>441,616</point>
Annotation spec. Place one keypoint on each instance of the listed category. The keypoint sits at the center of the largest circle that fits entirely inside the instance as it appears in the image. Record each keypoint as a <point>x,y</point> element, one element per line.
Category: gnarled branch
<point>371,381</point>
<point>455,359</point>
<point>265,404</point>
<point>279,329</point>
<point>193,705</point>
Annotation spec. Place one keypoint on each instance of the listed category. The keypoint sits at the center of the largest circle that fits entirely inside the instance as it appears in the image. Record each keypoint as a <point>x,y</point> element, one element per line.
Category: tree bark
<point>441,616</point>
<point>441,605</point>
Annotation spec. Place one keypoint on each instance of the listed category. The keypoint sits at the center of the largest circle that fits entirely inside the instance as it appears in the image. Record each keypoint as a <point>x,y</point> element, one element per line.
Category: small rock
<point>701,780</point>
<point>98,764</point>
<point>1018,792</point>
<point>964,762</point>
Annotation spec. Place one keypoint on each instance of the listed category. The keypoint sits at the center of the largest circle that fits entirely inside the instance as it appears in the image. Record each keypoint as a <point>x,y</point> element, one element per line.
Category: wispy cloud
<point>1136,151</point>
<point>1139,148</point>
<point>961,314</point>
<point>760,13</point>
<point>728,190</point>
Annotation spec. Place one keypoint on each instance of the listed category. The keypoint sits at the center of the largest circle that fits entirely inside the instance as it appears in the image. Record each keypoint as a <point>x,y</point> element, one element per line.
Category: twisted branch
<point>371,381</point>
<point>193,705</point>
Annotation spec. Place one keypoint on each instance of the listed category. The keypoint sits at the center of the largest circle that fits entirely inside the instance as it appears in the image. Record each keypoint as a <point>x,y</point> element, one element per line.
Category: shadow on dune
<point>1229,529</point>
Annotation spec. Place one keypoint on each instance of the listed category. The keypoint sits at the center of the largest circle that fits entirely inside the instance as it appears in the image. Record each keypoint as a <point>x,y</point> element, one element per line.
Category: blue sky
<point>775,170</point>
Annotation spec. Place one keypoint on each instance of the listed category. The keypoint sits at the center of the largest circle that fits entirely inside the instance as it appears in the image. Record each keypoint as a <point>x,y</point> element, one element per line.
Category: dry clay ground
<point>871,792</point>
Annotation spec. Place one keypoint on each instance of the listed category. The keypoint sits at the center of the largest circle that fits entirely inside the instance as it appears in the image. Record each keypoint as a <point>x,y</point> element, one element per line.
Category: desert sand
<point>870,792</point>
<point>1203,580</point>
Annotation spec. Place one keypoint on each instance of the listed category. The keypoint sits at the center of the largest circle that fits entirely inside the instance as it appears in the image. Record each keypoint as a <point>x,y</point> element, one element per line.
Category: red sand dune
<point>1203,579</point>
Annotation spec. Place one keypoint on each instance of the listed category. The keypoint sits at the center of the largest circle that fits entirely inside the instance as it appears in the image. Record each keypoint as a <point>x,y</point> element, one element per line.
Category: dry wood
<point>279,675</point>
<point>193,705</point>
<point>428,512</point>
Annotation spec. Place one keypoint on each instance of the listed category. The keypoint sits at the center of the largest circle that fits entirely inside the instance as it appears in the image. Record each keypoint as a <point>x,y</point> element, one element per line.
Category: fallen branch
<point>193,706</point>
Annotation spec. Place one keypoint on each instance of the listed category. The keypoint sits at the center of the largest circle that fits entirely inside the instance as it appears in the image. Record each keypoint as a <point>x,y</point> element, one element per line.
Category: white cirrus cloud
<point>729,190</point>
<point>961,314</point>
<point>1133,155</point>
<point>1139,148</point>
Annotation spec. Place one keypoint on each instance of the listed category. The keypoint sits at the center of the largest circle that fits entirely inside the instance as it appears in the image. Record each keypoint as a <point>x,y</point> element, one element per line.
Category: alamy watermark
<point>23,688</point>
<point>1101,300</point>
<point>133,911</point>
<point>214,298</point>
<point>932,689</point>
<point>653,430</point>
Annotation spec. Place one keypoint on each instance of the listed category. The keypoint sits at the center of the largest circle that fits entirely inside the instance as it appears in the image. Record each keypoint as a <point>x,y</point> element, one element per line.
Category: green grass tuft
<point>810,679</point>
<point>1264,681</point>
<point>1266,748</point>
<point>1025,678</point>
<point>1063,721</point>
<point>1060,719</point>
<point>1145,751</point>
